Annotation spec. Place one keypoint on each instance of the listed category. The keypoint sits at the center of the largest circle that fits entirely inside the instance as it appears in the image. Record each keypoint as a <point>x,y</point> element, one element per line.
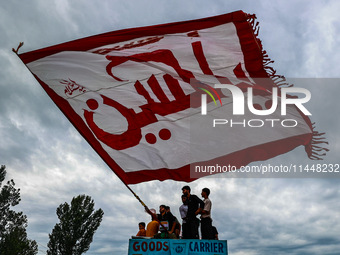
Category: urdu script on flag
<point>130,94</point>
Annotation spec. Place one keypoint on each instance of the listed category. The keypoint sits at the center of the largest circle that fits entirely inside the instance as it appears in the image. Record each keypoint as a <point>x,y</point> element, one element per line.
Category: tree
<point>78,223</point>
<point>13,236</point>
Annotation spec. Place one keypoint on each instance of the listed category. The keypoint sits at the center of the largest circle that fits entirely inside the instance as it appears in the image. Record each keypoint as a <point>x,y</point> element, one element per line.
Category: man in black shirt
<point>195,206</point>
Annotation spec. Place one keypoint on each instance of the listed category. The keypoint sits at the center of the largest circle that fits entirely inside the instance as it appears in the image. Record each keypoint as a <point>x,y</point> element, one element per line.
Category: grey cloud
<point>51,163</point>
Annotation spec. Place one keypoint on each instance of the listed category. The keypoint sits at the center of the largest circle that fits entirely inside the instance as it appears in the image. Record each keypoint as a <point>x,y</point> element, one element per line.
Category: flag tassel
<point>313,149</point>
<point>279,80</point>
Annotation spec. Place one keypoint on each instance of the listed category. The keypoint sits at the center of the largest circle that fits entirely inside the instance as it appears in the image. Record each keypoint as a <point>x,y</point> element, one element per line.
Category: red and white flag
<point>130,94</point>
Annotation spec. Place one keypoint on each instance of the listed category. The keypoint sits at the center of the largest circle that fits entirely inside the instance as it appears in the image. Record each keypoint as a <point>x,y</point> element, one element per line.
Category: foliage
<point>78,223</point>
<point>13,236</point>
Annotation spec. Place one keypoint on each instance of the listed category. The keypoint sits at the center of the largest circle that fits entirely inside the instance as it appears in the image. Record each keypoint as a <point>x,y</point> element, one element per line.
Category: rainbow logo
<point>211,95</point>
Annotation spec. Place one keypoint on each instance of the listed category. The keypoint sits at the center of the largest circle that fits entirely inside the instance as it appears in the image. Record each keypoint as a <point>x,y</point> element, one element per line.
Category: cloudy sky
<point>51,163</point>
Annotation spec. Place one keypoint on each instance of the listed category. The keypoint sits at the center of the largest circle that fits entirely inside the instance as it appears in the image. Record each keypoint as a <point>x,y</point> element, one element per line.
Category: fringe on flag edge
<point>313,148</point>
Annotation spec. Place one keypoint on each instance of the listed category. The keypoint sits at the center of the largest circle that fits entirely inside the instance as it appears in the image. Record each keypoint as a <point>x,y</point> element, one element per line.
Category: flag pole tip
<point>16,50</point>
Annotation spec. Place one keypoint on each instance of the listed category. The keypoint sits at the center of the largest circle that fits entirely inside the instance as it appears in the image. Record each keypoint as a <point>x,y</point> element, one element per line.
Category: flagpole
<point>138,198</point>
<point>145,206</point>
<point>16,50</point>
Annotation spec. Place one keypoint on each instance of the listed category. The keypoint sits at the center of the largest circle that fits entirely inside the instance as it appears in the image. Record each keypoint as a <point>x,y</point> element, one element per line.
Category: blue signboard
<point>177,247</point>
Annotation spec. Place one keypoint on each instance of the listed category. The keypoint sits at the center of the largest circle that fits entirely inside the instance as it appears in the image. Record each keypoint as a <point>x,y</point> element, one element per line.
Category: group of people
<point>166,225</point>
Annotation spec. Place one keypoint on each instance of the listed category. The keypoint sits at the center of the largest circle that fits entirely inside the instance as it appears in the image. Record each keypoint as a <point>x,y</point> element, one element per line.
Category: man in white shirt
<point>183,210</point>
<point>206,221</point>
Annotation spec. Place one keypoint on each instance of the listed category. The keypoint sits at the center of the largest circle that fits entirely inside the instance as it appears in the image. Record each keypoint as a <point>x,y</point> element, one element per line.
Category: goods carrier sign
<point>177,247</point>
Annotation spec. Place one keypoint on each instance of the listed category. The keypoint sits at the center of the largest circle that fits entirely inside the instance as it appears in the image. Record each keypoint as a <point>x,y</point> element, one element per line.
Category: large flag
<point>135,95</point>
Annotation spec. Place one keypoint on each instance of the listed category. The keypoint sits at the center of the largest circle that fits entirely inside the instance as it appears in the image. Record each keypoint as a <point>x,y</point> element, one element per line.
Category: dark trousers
<point>191,228</point>
<point>184,231</point>
<point>206,228</point>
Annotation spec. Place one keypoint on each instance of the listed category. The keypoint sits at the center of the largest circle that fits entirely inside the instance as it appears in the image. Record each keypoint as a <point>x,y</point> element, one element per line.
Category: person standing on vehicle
<point>206,221</point>
<point>195,207</point>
